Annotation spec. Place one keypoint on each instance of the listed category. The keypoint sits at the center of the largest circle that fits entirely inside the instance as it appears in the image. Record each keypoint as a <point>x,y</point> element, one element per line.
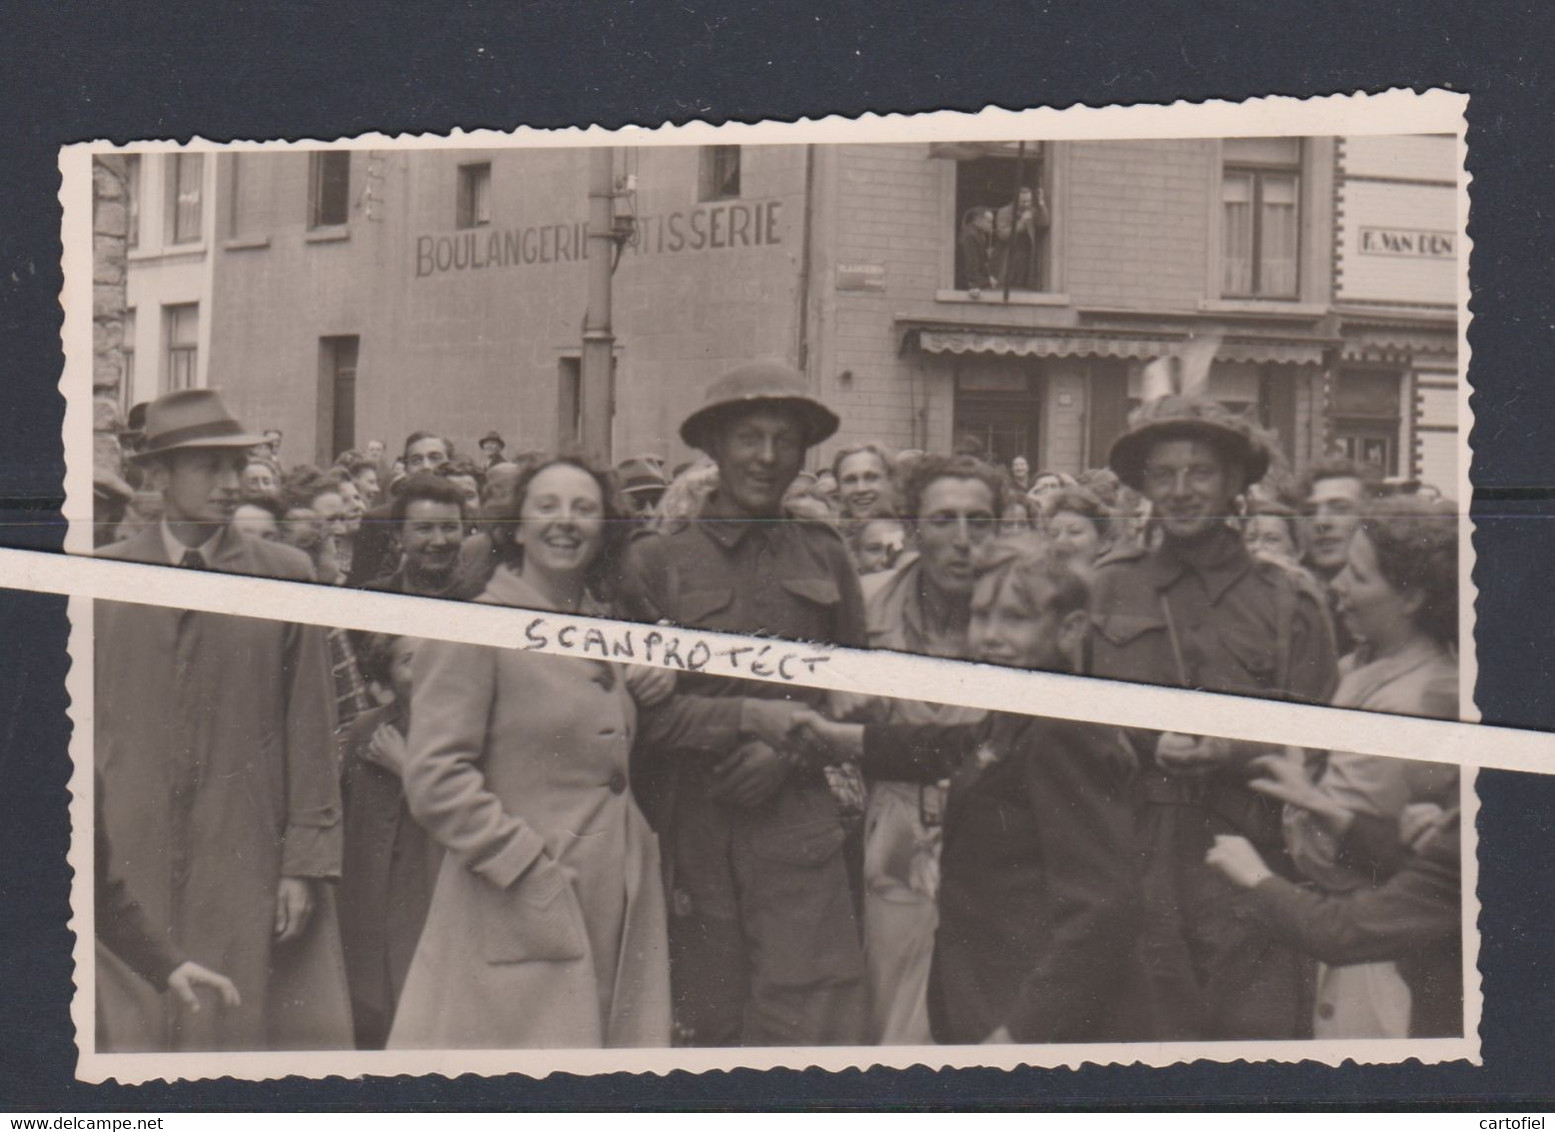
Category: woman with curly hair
<point>1077,524</point>
<point>1398,595</point>
<point>547,925</point>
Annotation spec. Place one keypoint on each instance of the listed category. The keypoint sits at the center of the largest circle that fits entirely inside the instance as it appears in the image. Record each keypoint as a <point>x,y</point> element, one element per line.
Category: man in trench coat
<point>215,750</point>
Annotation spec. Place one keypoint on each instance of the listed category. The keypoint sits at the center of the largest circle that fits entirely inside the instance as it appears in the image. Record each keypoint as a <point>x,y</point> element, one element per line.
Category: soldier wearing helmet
<point>1199,611</point>
<point>764,938</point>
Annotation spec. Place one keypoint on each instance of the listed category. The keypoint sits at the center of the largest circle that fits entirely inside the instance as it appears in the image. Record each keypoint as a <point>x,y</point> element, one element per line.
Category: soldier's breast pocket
<point>1137,644</point>
<point>709,607</point>
<point>815,608</point>
<point>1252,647</point>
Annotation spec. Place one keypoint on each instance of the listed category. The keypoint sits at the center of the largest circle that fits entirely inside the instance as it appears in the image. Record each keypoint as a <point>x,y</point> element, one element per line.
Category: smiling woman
<point>547,922</point>
<point>563,531</point>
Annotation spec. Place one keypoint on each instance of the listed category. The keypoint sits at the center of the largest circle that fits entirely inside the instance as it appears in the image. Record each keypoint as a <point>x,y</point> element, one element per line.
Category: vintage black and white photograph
<point>1178,407</point>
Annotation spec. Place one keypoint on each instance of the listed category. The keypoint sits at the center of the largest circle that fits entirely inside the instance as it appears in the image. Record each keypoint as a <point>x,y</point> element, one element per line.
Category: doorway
<point>998,406</point>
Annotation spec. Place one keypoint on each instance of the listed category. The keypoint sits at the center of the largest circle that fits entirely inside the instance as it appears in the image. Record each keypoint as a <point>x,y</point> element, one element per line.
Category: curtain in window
<point>183,336</point>
<point>331,176</point>
<point>1237,234</point>
<point>1278,253</point>
<point>188,180</point>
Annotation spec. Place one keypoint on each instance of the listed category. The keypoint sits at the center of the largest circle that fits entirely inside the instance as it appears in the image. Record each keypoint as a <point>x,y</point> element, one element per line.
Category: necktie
<point>192,560</point>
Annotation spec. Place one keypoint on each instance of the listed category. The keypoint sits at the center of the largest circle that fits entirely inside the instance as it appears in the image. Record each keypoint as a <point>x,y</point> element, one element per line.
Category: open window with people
<point>1003,217</point>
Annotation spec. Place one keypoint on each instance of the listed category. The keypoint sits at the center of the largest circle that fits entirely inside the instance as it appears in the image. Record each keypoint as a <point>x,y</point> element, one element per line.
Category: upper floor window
<point>474,209</point>
<point>1260,217</point>
<point>186,196</point>
<point>719,174</point>
<point>1002,216</point>
<point>181,332</point>
<point>132,199</point>
<point>329,189</point>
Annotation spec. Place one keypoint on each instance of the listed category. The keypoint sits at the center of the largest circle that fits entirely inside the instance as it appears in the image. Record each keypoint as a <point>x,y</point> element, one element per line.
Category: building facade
<point>1395,394</point>
<point>353,294</point>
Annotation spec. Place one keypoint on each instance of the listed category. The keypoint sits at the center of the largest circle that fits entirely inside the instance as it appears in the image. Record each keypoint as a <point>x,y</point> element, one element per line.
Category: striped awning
<point>1363,343</point>
<point>1106,344</point>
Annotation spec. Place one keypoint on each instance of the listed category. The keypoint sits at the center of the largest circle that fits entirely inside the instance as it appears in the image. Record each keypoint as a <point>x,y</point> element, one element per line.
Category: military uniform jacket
<point>785,578</point>
<point>1213,617</point>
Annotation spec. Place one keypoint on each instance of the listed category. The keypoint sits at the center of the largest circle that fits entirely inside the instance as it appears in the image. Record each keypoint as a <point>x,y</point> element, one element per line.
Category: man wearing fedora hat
<point>492,445</point>
<point>214,742</point>
<point>764,942</point>
<point>641,482</point>
<point>1201,612</point>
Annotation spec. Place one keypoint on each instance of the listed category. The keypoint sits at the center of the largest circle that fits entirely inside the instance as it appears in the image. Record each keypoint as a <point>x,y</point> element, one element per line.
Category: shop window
<point>719,173</point>
<point>337,394</point>
<point>1366,417</point>
<point>474,207</point>
<point>186,196</point>
<point>181,332</point>
<point>132,199</point>
<point>1260,218</point>
<point>329,189</point>
<point>999,407</point>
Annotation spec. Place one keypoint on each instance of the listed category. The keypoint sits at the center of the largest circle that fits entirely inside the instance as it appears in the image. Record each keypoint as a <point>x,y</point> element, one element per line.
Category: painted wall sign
<point>727,224</point>
<point>1408,242</point>
<point>860,277</point>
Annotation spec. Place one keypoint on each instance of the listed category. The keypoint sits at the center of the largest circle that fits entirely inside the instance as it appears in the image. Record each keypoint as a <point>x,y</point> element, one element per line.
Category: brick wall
<point>881,205</point>
<point>465,350</point>
<point>1138,223</point>
<point>110,227</point>
<point>1131,230</point>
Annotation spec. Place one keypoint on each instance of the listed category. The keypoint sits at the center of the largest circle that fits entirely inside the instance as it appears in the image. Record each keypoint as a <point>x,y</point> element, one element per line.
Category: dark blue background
<point>72,71</point>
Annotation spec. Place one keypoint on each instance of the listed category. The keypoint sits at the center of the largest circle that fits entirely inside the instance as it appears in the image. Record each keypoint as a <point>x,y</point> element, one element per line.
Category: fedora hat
<point>640,474</point>
<point>192,418</point>
<point>753,384</point>
<point>1186,418</point>
<point>494,435</point>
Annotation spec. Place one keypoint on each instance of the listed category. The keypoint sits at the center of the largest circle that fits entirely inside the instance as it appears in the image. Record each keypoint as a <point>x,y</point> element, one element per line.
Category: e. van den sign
<point>707,227</point>
<point>1407,242</point>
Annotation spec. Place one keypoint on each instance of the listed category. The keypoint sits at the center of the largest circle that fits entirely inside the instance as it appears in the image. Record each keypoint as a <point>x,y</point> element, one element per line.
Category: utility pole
<point>598,338</point>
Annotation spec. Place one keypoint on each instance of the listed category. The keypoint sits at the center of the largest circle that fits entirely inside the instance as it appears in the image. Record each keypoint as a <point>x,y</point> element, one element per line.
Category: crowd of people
<point>310,838</point>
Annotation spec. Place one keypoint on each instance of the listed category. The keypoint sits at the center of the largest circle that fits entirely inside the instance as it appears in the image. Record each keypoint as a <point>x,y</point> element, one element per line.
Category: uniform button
<point>1325,1010</point>
<point>680,903</point>
<point>618,783</point>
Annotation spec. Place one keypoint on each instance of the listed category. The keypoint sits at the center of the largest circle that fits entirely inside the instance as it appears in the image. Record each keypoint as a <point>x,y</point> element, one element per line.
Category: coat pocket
<point>805,846</point>
<point>801,907</point>
<point>536,919</point>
